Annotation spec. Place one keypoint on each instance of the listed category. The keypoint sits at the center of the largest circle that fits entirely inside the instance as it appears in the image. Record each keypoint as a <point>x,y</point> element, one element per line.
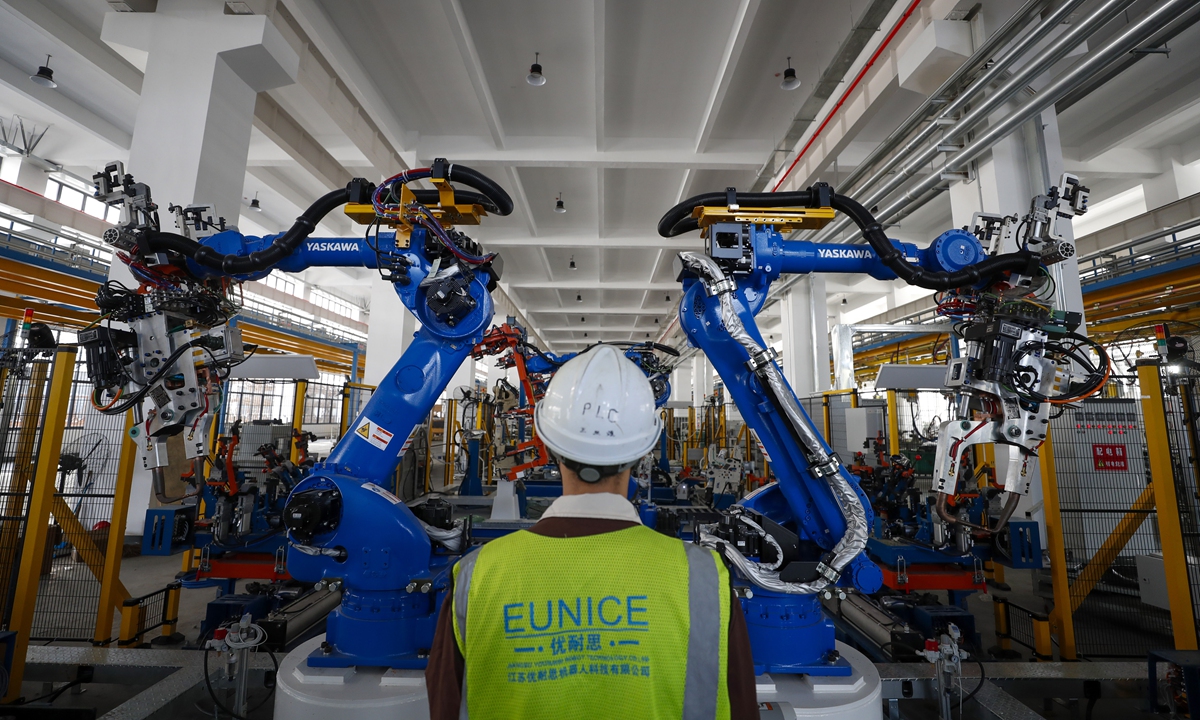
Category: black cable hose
<point>287,243</point>
<point>678,220</point>
<point>474,179</point>
<point>462,197</point>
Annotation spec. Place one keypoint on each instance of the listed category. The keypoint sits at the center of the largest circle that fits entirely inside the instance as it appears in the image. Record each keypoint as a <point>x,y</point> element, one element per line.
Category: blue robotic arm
<point>343,527</point>
<point>802,537</point>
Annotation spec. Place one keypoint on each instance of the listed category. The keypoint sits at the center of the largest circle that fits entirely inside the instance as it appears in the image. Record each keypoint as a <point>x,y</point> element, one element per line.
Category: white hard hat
<point>599,410</point>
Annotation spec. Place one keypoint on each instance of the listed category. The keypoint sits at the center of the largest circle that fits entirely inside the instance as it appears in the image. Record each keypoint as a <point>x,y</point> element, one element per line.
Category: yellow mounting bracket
<point>782,218</point>
<point>448,212</point>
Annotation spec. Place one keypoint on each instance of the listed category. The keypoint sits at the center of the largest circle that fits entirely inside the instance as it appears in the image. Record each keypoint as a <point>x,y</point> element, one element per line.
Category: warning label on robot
<point>372,433</point>
<point>1109,457</point>
<point>381,493</point>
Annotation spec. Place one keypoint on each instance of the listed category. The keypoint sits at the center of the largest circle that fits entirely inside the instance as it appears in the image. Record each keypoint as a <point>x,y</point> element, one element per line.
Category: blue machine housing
<point>789,633</point>
<point>393,578</point>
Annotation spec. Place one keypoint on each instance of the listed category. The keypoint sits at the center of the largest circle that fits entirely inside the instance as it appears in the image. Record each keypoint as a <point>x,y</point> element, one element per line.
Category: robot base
<point>856,697</point>
<point>305,693</point>
<point>366,693</point>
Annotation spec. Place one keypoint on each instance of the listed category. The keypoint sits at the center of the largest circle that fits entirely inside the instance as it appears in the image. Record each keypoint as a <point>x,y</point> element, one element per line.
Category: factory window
<point>284,284</point>
<point>320,298</point>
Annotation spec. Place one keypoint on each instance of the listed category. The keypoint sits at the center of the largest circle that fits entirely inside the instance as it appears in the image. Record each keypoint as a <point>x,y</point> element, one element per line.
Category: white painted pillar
<point>390,331</point>
<point>681,384</point>
<point>203,71</point>
<point>702,379</point>
<point>23,173</point>
<point>1177,182</point>
<point>805,328</point>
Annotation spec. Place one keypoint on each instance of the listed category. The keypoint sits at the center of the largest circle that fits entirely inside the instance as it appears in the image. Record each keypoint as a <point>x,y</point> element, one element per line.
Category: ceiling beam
<point>601,328</point>
<point>599,49</point>
<point>601,206</point>
<point>583,309</point>
<point>581,152</point>
<point>522,202</point>
<point>590,241</point>
<point>42,17</point>
<point>71,111</point>
<point>743,20</point>
<point>470,57</point>
<point>336,222</point>
<point>573,285</point>
<point>357,85</point>
<point>319,79</point>
<point>283,130</point>
<point>684,184</point>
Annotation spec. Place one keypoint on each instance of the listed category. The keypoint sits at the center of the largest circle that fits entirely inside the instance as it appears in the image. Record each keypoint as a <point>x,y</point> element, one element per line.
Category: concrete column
<point>702,379</point>
<point>390,330</point>
<point>1179,181</point>
<point>1007,178</point>
<point>681,384</point>
<point>805,326</point>
<point>203,71</point>
<point>24,173</point>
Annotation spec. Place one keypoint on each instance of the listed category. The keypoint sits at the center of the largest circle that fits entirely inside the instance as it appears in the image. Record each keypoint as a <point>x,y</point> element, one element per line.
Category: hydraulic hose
<point>678,220</point>
<point>854,539</point>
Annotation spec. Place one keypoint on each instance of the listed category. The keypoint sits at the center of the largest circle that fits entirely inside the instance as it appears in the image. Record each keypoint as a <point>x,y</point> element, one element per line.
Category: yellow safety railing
<point>140,615</point>
<point>41,502</point>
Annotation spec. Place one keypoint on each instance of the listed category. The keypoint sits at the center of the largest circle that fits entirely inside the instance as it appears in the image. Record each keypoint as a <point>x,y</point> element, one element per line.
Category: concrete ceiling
<point>645,103</point>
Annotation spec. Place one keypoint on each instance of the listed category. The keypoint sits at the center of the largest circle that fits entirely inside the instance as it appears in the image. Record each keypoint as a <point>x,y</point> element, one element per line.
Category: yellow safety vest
<point>624,624</point>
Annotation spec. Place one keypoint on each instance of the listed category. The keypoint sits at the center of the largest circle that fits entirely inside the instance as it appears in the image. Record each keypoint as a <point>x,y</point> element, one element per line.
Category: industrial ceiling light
<point>254,205</point>
<point>558,206</point>
<point>582,319</point>
<point>578,298</point>
<point>45,76</point>
<point>668,298</point>
<point>790,81</point>
<point>535,76</point>
<point>655,321</point>
<point>573,266</point>
<point>845,301</point>
<point>585,334</point>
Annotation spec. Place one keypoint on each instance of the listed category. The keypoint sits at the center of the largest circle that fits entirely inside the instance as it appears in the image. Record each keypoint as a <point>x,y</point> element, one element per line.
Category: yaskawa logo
<point>333,246</point>
<point>845,253</point>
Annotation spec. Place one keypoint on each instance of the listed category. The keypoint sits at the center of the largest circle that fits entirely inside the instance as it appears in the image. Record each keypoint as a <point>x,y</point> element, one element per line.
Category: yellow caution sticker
<point>373,433</point>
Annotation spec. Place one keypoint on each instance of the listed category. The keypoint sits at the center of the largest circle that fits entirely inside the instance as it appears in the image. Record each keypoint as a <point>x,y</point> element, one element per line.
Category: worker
<point>589,613</point>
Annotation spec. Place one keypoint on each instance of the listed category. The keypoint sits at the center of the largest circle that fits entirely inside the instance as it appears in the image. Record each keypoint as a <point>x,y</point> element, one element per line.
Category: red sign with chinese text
<point>1109,457</point>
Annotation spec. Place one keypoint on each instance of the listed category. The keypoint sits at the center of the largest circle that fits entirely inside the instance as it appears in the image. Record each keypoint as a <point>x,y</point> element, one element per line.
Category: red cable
<point>886,41</point>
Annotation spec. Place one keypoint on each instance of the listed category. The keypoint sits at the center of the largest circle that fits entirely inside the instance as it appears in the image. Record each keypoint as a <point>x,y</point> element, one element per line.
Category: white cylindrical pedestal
<point>308,693</point>
<point>845,698</point>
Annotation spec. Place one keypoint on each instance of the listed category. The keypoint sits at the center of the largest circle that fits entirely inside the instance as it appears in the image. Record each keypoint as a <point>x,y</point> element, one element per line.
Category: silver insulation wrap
<point>854,540</point>
<point>450,539</point>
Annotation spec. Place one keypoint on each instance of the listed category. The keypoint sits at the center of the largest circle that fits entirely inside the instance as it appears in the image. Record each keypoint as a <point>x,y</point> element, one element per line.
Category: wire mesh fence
<point>156,609</point>
<point>1182,404</point>
<point>1020,624</point>
<point>24,388</point>
<point>354,398</point>
<point>323,404</point>
<point>919,414</point>
<point>69,593</point>
<point>264,410</point>
<point>1109,524</point>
